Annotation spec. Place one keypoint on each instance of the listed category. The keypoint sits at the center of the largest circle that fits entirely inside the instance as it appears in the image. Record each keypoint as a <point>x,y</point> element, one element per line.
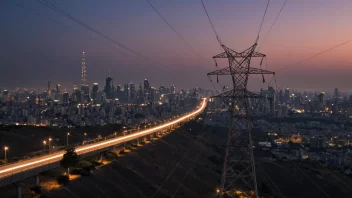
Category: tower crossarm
<point>252,70</point>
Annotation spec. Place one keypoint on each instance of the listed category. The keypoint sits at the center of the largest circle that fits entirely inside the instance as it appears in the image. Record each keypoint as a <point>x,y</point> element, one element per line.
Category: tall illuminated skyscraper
<point>84,84</point>
<point>84,71</point>
<point>146,86</point>
<point>95,91</point>
<point>146,90</point>
<point>49,88</point>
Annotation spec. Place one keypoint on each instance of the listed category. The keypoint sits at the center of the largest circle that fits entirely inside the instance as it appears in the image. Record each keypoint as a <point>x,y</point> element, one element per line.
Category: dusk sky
<point>35,49</point>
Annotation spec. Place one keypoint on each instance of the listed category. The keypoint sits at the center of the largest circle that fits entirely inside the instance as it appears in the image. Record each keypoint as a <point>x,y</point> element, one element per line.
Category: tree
<point>70,159</point>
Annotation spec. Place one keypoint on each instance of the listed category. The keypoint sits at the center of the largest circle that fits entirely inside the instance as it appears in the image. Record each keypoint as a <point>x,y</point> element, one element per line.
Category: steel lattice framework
<point>239,167</point>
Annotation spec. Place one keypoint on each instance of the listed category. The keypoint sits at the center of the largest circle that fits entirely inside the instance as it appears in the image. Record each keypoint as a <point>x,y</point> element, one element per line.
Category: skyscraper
<point>109,88</point>
<point>95,91</point>
<point>84,84</point>
<point>49,88</point>
<point>5,96</point>
<point>84,71</point>
<point>146,90</point>
<point>162,89</point>
<point>58,87</point>
<point>146,86</point>
<point>321,98</point>
<point>132,91</point>
<point>172,89</point>
<point>65,97</point>
<point>126,89</point>
<point>118,88</point>
<point>140,98</point>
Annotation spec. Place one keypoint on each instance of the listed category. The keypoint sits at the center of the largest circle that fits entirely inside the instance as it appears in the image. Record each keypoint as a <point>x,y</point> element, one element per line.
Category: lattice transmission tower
<point>238,173</point>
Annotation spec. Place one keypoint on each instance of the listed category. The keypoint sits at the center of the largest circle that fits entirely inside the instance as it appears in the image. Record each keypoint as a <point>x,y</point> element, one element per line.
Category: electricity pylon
<point>238,174</point>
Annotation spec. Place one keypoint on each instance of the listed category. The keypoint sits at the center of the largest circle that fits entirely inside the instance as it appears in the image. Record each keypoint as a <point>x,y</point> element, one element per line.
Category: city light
<point>5,149</point>
<point>103,144</point>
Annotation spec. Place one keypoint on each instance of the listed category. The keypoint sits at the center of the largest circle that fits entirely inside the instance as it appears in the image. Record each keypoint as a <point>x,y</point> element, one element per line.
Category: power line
<point>173,29</point>
<point>320,53</point>
<point>60,11</point>
<point>272,25</point>
<point>202,132</point>
<point>189,168</point>
<point>39,14</point>
<point>211,23</point>
<point>261,25</point>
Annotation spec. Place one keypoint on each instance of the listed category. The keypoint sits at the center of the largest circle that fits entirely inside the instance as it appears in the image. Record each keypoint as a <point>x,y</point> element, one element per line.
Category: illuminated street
<point>27,165</point>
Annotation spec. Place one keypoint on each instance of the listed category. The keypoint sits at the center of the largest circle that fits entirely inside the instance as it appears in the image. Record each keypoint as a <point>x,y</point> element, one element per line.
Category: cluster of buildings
<point>93,105</point>
<point>328,142</point>
<point>297,125</point>
<point>281,102</point>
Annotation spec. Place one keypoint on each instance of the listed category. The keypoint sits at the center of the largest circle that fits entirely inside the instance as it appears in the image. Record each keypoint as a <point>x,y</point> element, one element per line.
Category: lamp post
<point>85,138</point>
<point>5,149</point>
<point>68,133</point>
<point>44,143</point>
<point>49,144</point>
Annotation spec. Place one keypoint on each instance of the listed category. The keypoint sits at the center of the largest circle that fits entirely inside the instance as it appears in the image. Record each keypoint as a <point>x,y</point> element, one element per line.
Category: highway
<point>17,168</point>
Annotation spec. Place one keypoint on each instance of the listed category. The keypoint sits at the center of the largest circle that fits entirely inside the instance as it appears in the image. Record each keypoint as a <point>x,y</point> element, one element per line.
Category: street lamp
<point>5,149</point>
<point>44,143</point>
<point>49,143</point>
<point>85,138</point>
<point>68,133</point>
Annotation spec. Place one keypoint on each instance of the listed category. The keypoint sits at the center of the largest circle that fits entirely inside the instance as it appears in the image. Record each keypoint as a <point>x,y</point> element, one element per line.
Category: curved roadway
<point>26,165</point>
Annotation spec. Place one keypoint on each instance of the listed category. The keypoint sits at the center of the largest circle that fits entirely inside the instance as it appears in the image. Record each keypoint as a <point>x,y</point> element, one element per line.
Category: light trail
<point>12,168</point>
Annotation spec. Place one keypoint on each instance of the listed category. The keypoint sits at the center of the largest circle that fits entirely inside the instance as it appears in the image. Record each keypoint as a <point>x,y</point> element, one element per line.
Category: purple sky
<point>35,49</point>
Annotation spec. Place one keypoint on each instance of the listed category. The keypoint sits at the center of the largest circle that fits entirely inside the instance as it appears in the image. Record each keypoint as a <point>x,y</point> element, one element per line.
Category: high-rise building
<point>132,91</point>
<point>146,86</point>
<point>126,89</point>
<point>321,98</point>
<point>172,89</point>
<point>146,90</point>
<point>336,100</point>
<point>84,84</point>
<point>49,88</point>
<point>84,71</point>
<point>162,89</point>
<point>58,88</point>
<point>287,95</point>
<point>65,97</point>
<point>336,93</point>
<point>118,88</point>
<point>95,89</point>
<point>109,88</point>
<point>5,95</point>
<point>140,97</point>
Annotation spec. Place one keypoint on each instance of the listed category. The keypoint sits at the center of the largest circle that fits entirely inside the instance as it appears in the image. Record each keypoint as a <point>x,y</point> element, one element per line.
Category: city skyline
<point>35,61</point>
<point>202,98</point>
